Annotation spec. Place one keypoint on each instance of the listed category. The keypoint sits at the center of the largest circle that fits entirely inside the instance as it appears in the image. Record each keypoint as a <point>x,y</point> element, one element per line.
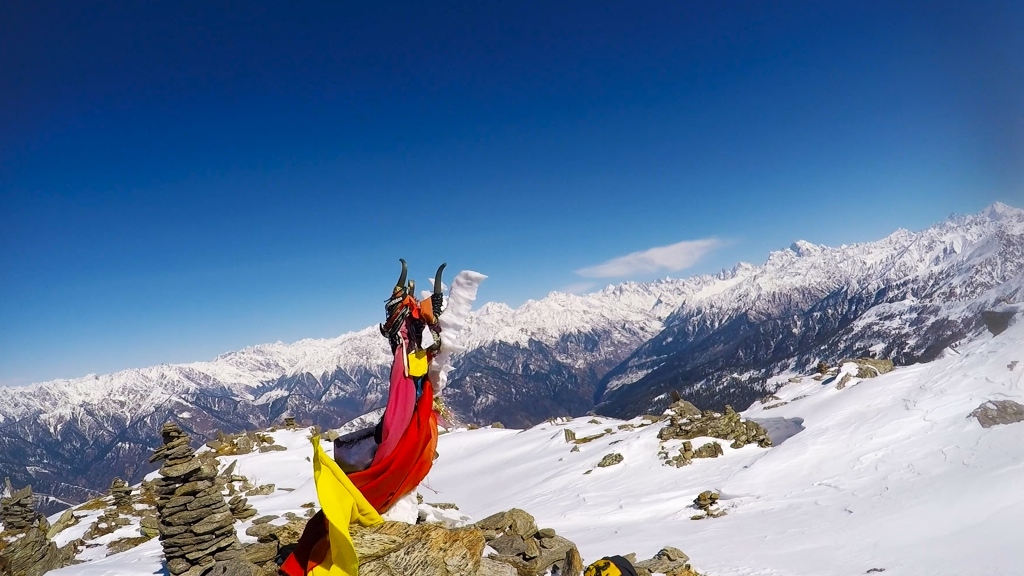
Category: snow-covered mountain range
<point>892,473</point>
<point>717,339</point>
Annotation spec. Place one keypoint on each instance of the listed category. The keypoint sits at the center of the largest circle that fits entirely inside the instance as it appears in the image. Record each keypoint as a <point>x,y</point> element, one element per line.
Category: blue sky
<point>182,179</point>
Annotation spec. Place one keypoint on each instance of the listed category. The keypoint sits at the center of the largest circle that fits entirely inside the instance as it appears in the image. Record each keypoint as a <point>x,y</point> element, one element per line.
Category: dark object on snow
<point>611,566</point>
<point>996,412</point>
<point>355,451</point>
<point>996,322</point>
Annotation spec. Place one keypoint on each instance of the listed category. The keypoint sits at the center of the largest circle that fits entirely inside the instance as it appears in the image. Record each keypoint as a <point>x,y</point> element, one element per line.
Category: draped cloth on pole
<point>382,484</point>
<point>401,403</point>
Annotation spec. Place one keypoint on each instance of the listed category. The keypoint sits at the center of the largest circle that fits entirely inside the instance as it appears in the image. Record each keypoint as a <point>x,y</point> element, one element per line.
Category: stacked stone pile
<point>707,503</point>
<point>196,526</point>
<point>121,493</point>
<point>240,508</point>
<point>17,512</point>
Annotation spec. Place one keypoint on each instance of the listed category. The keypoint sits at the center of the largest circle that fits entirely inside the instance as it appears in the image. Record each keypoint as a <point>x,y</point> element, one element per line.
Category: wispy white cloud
<point>671,258</point>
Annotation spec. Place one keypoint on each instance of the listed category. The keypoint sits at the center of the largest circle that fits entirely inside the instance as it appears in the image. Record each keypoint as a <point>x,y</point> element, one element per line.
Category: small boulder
<point>998,412</point>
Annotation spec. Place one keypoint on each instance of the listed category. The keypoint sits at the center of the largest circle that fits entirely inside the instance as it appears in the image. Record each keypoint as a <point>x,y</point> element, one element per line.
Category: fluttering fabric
<point>341,504</point>
<point>382,484</point>
<point>400,472</point>
<point>401,403</point>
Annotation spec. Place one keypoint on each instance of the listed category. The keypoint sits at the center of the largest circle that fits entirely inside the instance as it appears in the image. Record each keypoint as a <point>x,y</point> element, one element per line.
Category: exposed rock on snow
<point>871,367</point>
<point>996,412</point>
<point>610,460</point>
<point>686,422</point>
<point>707,503</point>
<point>997,321</point>
<point>514,537</point>
<point>668,560</point>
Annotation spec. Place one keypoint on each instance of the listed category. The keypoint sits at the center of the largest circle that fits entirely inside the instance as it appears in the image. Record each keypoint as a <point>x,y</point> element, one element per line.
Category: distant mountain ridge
<point>905,297</point>
<point>715,338</point>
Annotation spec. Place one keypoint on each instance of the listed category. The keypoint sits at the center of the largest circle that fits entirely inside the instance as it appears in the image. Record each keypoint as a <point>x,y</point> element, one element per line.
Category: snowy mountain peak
<point>1000,211</point>
<point>805,248</point>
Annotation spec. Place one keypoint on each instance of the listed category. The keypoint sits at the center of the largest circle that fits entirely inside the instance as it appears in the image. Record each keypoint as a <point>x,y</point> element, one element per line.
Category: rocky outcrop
<point>389,549</point>
<point>394,548</point>
<point>610,460</point>
<point>531,552</point>
<point>25,548</point>
<point>33,554</point>
<point>685,422</point>
<point>196,527</point>
<point>709,450</point>
<point>669,561</point>
<point>273,541</point>
<point>106,523</point>
<point>66,520</point>
<point>996,412</point>
<point>996,321</point>
<point>871,367</point>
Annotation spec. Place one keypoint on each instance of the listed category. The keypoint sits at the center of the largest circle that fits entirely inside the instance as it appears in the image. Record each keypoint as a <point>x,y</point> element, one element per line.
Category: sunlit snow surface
<point>889,472</point>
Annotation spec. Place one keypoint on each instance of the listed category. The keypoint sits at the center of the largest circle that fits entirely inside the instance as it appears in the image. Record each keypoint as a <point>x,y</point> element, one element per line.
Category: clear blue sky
<point>180,179</point>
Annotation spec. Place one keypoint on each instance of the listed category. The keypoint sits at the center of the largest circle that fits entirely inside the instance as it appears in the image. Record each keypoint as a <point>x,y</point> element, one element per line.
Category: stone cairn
<point>31,554</point>
<point>111,520</point>
<point>121,493</point>
<point>196,526</point>
<point>240,508</point>
<point>17,512</point>
<point>707,502</point>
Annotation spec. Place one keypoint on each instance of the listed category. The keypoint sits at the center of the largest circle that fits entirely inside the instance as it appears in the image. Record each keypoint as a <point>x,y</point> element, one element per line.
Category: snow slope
<point>887,473</point>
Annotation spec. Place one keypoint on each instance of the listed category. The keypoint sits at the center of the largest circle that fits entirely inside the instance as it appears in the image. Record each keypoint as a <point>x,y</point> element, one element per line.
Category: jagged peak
<point>805,248</point>
<point>998,211</point>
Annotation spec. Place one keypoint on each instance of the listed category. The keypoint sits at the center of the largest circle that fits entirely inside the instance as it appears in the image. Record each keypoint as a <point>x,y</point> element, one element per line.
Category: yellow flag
<point>342,504</point>
<point>418,363</point>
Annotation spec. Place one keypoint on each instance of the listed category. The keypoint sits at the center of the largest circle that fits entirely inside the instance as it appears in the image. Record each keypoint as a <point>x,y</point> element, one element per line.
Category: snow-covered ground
<point>887,473</point>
